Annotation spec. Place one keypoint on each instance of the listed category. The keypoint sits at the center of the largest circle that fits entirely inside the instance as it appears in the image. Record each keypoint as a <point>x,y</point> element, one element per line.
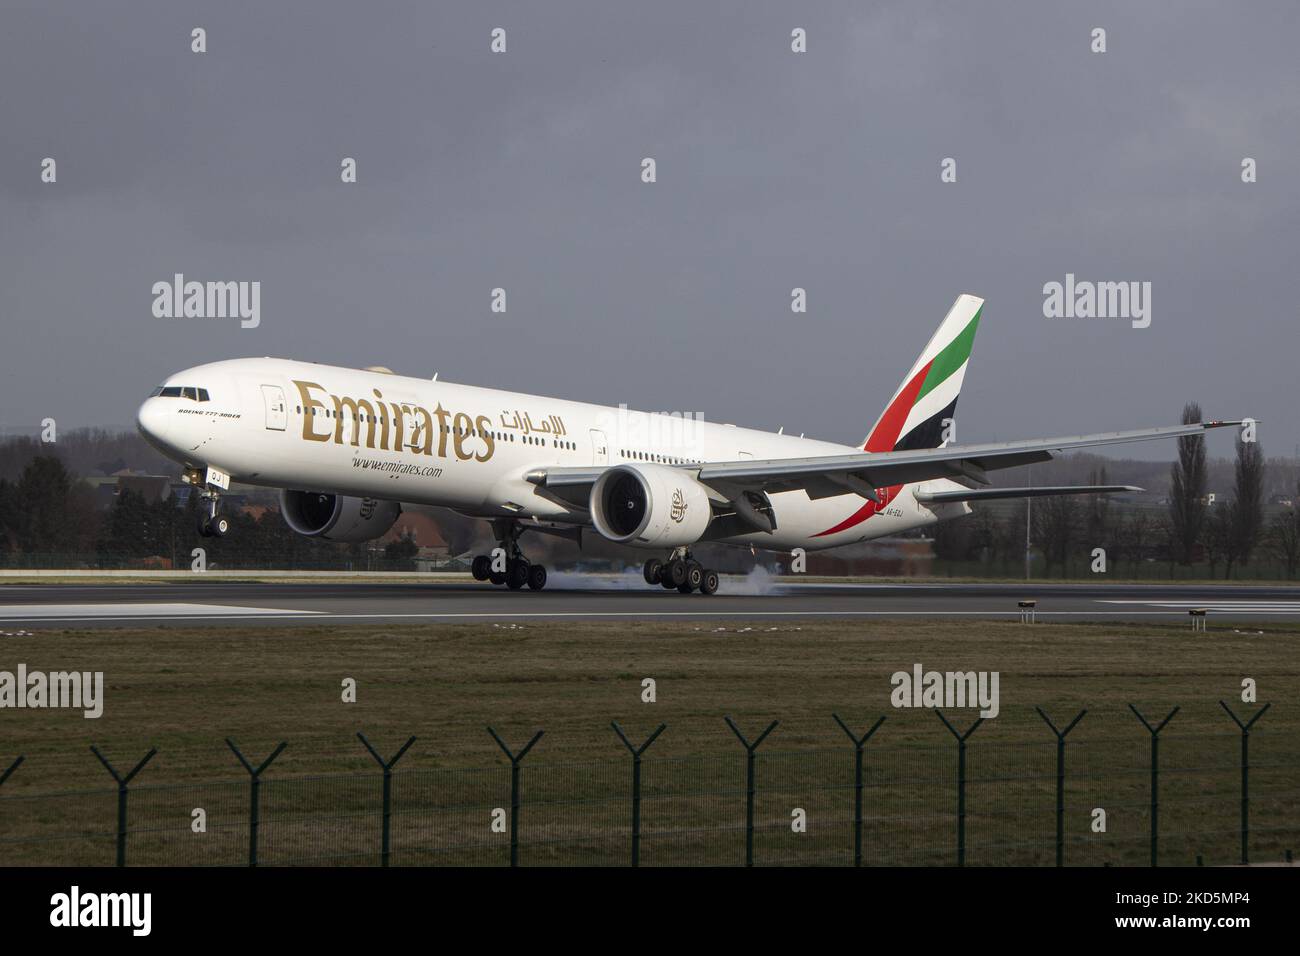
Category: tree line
<point>1190,537</point>
<point>50,519</point>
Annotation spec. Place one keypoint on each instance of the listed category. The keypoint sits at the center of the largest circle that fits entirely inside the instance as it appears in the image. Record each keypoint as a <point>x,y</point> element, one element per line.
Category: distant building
<point>424,531</point>
<point>422,528</point>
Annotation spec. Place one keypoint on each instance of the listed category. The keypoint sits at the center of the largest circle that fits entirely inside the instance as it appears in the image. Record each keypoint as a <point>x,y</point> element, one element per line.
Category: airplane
<point>349,448</point>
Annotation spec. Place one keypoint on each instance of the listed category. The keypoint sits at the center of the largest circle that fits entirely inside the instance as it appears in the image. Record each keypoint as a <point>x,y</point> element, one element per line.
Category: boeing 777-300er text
<point>350,447</point>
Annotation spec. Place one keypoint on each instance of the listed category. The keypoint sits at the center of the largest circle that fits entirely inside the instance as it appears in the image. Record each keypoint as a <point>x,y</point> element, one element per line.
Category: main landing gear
<point>682,573</point>
<point>507,564</point>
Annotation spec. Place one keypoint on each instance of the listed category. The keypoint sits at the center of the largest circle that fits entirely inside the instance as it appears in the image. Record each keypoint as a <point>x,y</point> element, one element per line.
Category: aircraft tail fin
<point>917,413</point>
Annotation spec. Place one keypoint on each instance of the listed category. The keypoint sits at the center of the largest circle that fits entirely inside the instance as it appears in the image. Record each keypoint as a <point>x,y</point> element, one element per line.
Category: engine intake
<point>649,506</point>
<point>316,514</point>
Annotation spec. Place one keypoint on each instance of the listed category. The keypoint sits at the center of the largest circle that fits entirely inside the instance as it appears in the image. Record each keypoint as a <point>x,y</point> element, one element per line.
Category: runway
<point>232,603</point>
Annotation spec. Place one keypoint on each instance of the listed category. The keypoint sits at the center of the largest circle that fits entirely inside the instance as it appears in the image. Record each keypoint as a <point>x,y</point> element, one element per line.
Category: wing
<point>987,494</point>
<point>864,472</point>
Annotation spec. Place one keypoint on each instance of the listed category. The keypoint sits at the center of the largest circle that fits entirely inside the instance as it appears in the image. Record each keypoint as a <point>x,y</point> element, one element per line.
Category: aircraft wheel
<point>536,577</point>
<point>673,574</point>
<point>481,567</point>
<point>204,529</point>
<point>496,577</point>
<point>516,573</point>
<point>694,576</point>
<point>652,570</point>
<point>710,583</point>
<point>219,526</point>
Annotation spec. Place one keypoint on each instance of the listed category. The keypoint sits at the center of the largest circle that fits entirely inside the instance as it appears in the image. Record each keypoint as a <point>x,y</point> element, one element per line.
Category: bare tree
<point>1097,521</point>
<point>1055,528</point>
<point>984,535</point>
<point>1284,535</point>
<point>1218,536</point>
<point>1010,539</point>
<point>1187,490</point>
<point>1247,501</point>
<point>1136,536</point>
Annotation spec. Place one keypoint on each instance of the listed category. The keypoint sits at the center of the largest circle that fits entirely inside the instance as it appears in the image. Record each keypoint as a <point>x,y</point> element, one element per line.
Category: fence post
<point>1245,775</point>
<point>858,743</point>
<point>514,788</point>
<point>636,784</point>
<point>388,790</point>
<point>12,767</point>
<point>961,782</point>
<point>254,791</point>
<point>121,796</point>
<point>749,782</point>
<point>1155,779</point>
<point>1060,779</point>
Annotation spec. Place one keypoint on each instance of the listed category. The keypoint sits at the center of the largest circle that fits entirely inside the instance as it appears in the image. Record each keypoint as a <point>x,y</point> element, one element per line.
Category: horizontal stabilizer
<point>986,494</point>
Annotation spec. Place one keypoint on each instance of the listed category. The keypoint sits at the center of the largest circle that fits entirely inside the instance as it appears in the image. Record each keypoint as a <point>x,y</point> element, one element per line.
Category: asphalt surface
<point>216,603</point>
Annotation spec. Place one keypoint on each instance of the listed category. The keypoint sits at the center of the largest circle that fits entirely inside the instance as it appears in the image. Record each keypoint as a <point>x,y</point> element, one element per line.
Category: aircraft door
<point>599,448</point>
<point>277,412</point>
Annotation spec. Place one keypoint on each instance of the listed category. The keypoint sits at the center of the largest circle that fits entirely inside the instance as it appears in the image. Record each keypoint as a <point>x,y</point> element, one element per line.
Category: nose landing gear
<point>681,573</point>
<point>214,524</point>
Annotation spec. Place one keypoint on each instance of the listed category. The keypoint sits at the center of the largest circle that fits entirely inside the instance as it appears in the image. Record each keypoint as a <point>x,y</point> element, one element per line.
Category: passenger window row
<point>660,459</point>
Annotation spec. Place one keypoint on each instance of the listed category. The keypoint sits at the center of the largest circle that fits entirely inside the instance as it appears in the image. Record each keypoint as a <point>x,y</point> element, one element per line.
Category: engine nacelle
<point>649,506</point>
<point>337,517</point>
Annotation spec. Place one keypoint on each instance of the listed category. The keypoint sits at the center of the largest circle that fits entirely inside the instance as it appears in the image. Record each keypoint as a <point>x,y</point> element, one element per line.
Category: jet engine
<point>337,517</point>
<point>649,506</point>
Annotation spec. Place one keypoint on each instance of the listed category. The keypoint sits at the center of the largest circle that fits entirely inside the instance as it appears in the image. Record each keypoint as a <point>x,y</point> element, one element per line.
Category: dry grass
<point>183,690</point>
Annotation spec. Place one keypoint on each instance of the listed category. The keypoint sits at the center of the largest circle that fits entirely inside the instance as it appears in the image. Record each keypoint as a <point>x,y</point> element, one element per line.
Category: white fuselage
<point>299,425</point>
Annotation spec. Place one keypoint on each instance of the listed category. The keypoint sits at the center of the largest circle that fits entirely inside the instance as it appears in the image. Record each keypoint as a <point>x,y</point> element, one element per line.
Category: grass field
<point>183,691</point>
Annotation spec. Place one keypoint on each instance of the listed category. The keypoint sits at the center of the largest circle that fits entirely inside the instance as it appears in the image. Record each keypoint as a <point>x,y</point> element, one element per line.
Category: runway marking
<point>1258,604</point>
<point>101,612</point>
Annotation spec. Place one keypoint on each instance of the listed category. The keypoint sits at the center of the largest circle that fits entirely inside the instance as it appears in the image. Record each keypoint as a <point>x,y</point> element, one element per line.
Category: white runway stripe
<point>1223,602</point>
<point>1262,604</point>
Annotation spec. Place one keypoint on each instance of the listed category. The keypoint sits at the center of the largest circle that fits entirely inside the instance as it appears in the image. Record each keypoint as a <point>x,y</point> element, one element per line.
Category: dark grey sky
<point>776,170</point>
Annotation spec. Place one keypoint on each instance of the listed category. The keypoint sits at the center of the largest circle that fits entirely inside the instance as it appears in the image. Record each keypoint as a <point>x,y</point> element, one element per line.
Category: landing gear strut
<point>214,524</point>
<point>682,573</point>
<point>507,564</point>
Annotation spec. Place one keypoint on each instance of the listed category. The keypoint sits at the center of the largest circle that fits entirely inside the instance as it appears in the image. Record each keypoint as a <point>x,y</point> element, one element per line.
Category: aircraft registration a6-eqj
<point>350,447</point>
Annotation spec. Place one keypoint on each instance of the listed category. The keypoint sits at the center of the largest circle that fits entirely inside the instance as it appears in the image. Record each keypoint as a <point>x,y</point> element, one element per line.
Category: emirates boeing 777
<point>349,448</point>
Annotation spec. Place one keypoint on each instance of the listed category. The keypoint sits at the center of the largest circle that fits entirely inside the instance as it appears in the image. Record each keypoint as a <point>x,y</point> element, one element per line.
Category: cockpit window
<point>180,391</point>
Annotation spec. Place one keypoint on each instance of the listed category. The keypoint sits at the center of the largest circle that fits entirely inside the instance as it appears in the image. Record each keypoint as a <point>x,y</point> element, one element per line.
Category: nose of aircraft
<point>152,420</point>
